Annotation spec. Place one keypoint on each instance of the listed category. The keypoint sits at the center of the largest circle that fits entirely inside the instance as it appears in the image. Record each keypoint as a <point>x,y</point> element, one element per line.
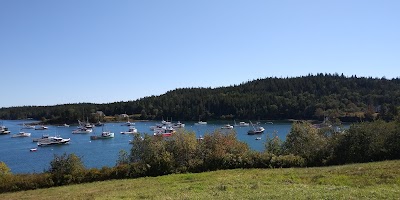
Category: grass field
<point>379,180</point>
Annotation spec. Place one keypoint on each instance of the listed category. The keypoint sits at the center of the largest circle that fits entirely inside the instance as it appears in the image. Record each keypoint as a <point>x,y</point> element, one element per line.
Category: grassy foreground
<point>380,180</point>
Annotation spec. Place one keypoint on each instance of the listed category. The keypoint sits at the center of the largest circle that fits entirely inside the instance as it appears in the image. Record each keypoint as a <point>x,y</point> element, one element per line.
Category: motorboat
<point>132,130</point>
<point>258,138</point>
<point>103,135</point>
<point>27,126</point>
<point>4,130</point>
<point>41,128</point>
<point>44,137</point>
<point>33,149</point>
<point>82,130</point>
<point>21,134</point>
<point>227,126</point>
<point>178,125</point>
<point>200,123</point>
<point>243,124</point>
<point>166,123</point>
<point>99,123</point>
<point>64,125</point>
<point>128,123</point>
<point>157,126</point>
<point>53,141</point>
<point>86,125</point>
<point>165,132</point>
<point>256,129</point>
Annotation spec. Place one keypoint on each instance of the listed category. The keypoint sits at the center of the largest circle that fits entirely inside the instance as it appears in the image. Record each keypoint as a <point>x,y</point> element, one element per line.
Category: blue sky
<point>55,52</point>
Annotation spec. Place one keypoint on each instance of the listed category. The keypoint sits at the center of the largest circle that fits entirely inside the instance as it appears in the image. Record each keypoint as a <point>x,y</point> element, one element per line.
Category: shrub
<point>66,169</point>
<point>287,161</point>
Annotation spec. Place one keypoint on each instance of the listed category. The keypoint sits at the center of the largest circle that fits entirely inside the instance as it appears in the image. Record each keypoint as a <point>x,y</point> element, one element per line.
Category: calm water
<point>15,151</point>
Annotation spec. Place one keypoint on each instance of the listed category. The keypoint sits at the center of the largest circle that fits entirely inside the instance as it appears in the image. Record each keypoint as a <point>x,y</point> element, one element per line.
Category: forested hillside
<point>306,97</point>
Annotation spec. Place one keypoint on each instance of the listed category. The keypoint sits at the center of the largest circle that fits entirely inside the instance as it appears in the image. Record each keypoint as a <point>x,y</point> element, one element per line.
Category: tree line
<point>307,97</point>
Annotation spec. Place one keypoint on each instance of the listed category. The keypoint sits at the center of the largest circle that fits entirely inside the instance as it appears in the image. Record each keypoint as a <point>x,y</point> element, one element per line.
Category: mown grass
<point>380,180</point>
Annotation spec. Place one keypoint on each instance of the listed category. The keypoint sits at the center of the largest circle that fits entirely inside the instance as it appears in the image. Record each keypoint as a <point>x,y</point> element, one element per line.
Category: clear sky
<point>56,52</point>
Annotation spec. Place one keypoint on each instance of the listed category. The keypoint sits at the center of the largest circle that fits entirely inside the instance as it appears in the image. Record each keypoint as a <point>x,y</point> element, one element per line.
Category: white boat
<point>242,124</point>
<point>166,123</point>
<point>33,149</point>
<point>132,130</point>
<point>85,124</point>
<point>21,134</point>
<point>41,128</point>
<point>258,138</point>
<point>178,125</point>
<point>157,126</point>
<point>99,123</point>
<point>165,132</point>
<point>4,130</point>
<point>227,126</point>
<point>53,141</point>
<point>64,125</point>
<point>27,126</point>
<point>257,129</point>
<point>200,123</point>
<point>82,130</point>
<point>128,123</point>
<point>44,137</point>
<point>104,135</point>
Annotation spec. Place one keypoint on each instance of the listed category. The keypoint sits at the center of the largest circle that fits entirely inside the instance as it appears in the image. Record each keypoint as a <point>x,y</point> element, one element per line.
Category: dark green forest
<point>310,97</point>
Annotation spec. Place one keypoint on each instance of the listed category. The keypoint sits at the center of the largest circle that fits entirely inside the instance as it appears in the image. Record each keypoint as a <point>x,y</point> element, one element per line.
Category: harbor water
<point>15,152</point>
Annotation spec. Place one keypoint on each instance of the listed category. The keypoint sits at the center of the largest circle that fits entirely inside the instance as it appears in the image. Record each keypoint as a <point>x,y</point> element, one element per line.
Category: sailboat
<point>200,122</point>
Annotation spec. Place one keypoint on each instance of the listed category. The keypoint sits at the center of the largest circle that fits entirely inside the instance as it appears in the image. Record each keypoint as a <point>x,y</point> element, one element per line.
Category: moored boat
<point>27,126</point>
<point>178,125</point>
<point>200,123</point>
<point>21,134</point>
<point>165,132</point>
<point>99,123</point>
<point>132,130</point>
<point>128,123</point>
<point>4,130</point>
<point>103,135</point>
<point>256,129</point>
<point>243,124</point>
<point>82,130</point>
<point>42,127</point>
<point>64,125</point>
<point>227,126</point>
<point>57,140</point>
<point>46,136</point>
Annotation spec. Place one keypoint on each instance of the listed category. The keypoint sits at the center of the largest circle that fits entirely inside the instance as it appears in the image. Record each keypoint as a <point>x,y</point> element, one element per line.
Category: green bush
<point>287,161</point>
<point>10,182</point>
<point>66,169</point>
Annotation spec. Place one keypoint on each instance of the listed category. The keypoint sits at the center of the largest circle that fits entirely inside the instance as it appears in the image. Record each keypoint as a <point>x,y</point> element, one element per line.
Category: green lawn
<point>380,180</point>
